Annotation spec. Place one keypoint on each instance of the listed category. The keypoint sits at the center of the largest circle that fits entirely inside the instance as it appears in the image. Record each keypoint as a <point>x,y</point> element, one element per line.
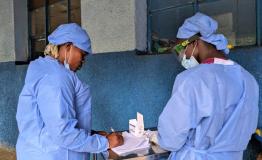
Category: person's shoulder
<point>35,64</point>
<point>247,75</point>
<point>51,71</point>
<point>193,74</point>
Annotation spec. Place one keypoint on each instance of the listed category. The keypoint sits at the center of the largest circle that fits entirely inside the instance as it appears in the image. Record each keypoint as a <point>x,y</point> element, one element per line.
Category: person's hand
<point>115,139</point>
<point>102,133</point>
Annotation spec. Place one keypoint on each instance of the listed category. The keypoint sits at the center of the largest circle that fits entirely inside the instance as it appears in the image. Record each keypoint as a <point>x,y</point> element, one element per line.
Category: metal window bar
<point>196,6</point>
<point>155,11</point>
<point>46,21</point>
<point>258,18</point>
<point>68,11</point>
<point>29,33</point>
<point>149,29</point>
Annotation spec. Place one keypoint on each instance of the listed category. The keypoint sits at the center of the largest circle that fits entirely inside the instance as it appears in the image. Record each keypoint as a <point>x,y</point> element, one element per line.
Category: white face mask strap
<point>67,59</point>
<point>70,53</point>
<point>193,50</point>
<point>65,56</point>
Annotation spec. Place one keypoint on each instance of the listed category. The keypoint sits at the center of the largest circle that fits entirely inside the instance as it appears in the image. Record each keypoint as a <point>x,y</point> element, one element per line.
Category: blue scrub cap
<point>207,27</point>
<point>73,33</point>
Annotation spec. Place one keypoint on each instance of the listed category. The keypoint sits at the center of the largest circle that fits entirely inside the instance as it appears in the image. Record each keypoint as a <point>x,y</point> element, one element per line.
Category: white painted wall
<point>7,46</point>
<point>13,30</point>
<point>115,25</point>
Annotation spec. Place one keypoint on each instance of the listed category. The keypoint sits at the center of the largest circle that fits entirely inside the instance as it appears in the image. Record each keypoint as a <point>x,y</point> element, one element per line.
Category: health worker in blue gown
<point>54,107</point>
<point>213,109</point>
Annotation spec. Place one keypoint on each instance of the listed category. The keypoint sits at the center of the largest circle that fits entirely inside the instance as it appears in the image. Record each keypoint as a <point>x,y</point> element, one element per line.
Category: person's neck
<point>61,57</point>
<point>211,54</point>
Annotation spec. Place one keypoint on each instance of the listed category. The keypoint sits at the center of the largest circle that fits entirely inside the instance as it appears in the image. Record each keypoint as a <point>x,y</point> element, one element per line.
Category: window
<point>45,16</point>
<point>236,18</point>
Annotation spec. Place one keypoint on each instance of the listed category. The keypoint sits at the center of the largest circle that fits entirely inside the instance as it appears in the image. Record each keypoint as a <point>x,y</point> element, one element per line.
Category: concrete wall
<point>13,30</point>
<point>7,45</point>
<point>115,25</point>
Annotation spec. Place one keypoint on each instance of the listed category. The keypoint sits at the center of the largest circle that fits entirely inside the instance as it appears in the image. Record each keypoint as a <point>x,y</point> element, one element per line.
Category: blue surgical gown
<point>211,114</point>
<point>54,115</point>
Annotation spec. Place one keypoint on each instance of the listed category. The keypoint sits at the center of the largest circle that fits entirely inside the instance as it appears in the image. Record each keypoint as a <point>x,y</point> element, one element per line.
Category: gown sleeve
<point>55,98</point>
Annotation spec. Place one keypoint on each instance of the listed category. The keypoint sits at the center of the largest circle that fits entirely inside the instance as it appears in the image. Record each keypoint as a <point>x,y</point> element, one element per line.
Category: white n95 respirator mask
<point>189,63</point>
<point>180,50</point>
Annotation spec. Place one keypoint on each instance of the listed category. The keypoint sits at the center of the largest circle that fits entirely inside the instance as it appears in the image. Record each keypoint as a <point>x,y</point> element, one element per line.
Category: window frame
<point>196,7</point>
<point>34,55</point>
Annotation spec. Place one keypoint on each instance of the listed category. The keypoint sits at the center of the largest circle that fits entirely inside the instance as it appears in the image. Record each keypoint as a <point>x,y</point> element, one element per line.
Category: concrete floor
<point>6,154</point>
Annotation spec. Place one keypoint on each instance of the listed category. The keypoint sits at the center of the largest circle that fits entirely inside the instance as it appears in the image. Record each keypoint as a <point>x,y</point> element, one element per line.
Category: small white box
<point>136,126</point>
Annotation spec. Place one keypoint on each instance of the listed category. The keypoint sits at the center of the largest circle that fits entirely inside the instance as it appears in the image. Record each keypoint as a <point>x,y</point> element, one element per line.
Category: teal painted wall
<point>121,85</point>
